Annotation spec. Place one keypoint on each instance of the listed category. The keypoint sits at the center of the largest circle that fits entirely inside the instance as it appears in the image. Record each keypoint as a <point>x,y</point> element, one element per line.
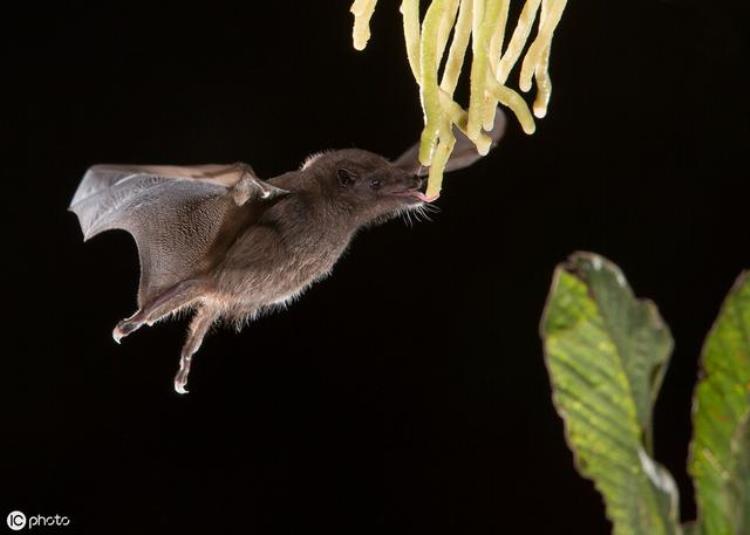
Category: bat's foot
<point>181,379</point>
<point>124,328</point>
<point>198,328</point>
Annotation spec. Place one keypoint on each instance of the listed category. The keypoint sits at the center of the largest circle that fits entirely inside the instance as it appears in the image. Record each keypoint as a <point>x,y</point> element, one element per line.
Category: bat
<point>220,242</point>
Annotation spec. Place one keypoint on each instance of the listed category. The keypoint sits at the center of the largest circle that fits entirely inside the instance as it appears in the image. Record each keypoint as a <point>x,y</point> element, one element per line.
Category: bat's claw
<point>117,334</point>
<point>181,379</point>
<point>124,328</point>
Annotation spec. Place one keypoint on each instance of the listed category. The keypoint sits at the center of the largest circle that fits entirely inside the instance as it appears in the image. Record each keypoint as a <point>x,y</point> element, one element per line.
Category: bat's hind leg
<point>175,298</point>
<point>202,321</point>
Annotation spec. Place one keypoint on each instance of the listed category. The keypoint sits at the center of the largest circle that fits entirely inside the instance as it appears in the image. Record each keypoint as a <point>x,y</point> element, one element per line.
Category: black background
<point>407,393</point>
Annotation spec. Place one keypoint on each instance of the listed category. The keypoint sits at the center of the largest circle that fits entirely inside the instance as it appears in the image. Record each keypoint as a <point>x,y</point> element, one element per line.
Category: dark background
<point>407,393</point>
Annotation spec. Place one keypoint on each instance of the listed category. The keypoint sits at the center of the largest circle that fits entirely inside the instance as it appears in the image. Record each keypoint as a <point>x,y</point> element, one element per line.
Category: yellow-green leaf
<point>720,450</point>
<point>606,353</point>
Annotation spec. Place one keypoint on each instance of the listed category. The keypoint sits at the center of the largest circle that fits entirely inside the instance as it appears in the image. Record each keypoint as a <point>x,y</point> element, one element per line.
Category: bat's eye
<point>375,184</point>
<point>346,178</point>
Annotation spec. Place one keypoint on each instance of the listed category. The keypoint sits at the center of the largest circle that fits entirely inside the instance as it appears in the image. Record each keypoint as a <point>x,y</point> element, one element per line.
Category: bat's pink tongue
<point>424,198</point>
<point>422,195</point>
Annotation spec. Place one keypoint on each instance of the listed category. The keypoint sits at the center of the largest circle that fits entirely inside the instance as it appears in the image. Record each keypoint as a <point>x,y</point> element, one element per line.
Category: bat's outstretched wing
<point>180,217</point>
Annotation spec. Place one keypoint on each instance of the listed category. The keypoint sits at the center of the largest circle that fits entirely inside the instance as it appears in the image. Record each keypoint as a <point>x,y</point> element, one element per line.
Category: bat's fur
<point>298,240</point>
<point>220,242</point>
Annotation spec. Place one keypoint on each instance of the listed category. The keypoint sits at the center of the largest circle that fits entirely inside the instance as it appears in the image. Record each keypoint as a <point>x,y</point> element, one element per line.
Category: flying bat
<point>219,241</point>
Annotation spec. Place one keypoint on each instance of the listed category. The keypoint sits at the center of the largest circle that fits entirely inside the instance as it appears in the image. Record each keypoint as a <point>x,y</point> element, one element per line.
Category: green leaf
<point>720,450</point>
<point>606,353</point>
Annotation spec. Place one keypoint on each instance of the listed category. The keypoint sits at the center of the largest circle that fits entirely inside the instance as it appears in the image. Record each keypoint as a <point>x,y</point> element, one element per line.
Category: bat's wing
<point>464,152</point>
<point>179,216</point>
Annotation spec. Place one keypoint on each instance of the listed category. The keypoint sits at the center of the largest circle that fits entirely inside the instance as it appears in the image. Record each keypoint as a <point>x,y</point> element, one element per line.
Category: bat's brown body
<point>220,241</point>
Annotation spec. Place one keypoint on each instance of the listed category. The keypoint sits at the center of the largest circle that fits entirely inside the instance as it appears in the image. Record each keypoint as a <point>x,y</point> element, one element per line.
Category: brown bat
<point>220,241</point>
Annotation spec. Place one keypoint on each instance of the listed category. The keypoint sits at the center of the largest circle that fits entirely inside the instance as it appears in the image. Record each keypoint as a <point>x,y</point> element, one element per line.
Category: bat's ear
<point>464,152</point>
